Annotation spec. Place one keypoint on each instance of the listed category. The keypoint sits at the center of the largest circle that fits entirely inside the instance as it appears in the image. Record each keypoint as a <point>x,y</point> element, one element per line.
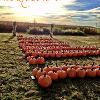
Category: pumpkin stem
<point>44,74</point>
<point>47,65</point>
<point>81,68</point>
<point>84,64</point>
<point>41,69</point>
<point>53,70</point>
<point>92,69</point>
<point>56,64</point>
<point>66,63</point>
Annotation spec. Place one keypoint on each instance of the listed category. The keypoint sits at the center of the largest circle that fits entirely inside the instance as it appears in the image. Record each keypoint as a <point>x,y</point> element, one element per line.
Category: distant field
<point>42,28</point>
<point>98,30</point>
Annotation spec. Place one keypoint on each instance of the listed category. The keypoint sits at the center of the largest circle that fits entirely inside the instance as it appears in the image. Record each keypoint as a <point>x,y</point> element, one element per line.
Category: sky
<point>69,12</point>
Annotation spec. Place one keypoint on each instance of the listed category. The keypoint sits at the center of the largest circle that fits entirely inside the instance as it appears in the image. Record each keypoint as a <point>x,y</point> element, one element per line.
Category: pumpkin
<point>64,54</point>
<point>96,52</point>
<point>45,81</point>
<point>91,72</point>
<point>56,68</point>
<point>62,74</point>
<point>64,67</point>
<point>53,75</point>
<point>98,72</point>
<point>87,67</point>
<point>75,66</point>
<point>74,54</point>
<point>46,54</point>
<point>27,53</point>
<point>47,69</point>
<point>34,71</point>
<point>34,54</point>
<point>69,54</point>
<point>28,58</point>
<point>39,73</point>
<point>71,72</point>
<point>40,53</point>
<point>80,72</point>
<point>58,54</point>
<point>52,55</point>
<point>40,60</point>
<point>32,61</point>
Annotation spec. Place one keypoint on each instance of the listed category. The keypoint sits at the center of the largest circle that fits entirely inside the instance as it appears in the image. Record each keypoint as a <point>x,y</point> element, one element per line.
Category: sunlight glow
<point>35,9</point>
<point>38,8</point>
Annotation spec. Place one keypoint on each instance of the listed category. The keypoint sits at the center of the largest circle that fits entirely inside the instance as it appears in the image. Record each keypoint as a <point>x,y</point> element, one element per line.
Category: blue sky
<point>82,5</point>
<point>73,12</point>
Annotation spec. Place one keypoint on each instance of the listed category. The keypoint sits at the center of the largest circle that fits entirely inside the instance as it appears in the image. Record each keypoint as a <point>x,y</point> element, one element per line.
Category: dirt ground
<point>15,72</point>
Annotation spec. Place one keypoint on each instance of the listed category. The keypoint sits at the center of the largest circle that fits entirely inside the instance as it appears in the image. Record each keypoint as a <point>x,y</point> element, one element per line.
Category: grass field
<point>98,30</point>
<point>15,72</point>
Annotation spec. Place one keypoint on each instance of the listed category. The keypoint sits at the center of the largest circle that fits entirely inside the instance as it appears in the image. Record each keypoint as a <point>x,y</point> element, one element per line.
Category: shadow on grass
<point>56,91</point>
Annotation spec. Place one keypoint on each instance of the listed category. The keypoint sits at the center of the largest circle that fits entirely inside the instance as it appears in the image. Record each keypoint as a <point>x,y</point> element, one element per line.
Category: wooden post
<point>14,29</point>
<point>51,32</point>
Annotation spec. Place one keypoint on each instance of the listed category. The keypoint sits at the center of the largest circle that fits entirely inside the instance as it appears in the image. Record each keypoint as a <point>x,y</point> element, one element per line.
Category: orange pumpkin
<point>34,54</point>
<point>47,69</point>
<point>64,67</point>
<point>28,58</point>
<point>40,60</point>
<point>75,67</point>
<point>62,74</point>
<point>87,67</point>
<point>81,73</point>
<point>74,54</point>
<point>91,72</point>
<point>52,55</point>
<point>34,71</point>
<point>28,53</point>
<point>45,81</point>
<point>98,72</point>
<point>39,73</point>
<point>32,61</point>
<point>53,75</point>
<point>58,54</point>
<point>40,53</point>
<point>56,68</point>
<point>71,72</point>
<point>64,54</point>
<point>46,54</point>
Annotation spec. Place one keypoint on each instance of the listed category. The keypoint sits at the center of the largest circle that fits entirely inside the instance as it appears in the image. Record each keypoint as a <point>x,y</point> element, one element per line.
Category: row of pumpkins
<point>44,41</point>
<point>47,75</point>
<point>59,54</point>
<point>51,44</point>
<point>53,51</point>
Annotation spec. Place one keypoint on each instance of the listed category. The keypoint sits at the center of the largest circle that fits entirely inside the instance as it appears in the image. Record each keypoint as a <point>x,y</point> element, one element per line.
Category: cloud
<point>3,14</point>
<point>84,12</point>
<point>83,5</point>
<point>5,11</point>
<point>5,7</point>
